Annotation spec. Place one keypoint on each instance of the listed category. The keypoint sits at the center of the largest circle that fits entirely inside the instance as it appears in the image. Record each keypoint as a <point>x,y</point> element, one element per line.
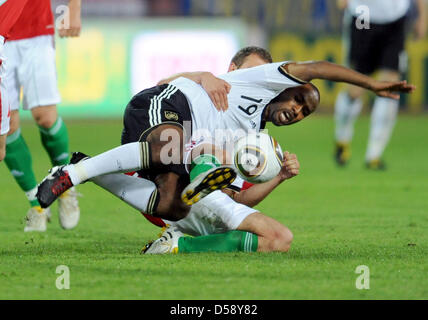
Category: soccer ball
<point>257,157</point>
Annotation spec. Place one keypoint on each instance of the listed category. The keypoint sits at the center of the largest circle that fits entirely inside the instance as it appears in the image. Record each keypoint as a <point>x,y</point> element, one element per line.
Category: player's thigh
<point>166,143</point>
<point>4,108</point>
<point>10,81</point>
<point>266,227</point>
<point>45,116</point>
<point>37,72</point>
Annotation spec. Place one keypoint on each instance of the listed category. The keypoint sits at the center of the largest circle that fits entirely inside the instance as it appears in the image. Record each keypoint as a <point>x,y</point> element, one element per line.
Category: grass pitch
<point>341,218</point>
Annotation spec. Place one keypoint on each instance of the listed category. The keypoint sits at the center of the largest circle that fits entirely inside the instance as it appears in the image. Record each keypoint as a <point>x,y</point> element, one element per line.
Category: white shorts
<point>31,66</point>
<point>4,105</point>
<point>216,213</point>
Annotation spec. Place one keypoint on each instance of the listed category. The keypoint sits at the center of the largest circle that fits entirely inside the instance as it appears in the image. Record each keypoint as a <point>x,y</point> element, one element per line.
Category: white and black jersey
<point>186,104</point>
<point>251,90</point>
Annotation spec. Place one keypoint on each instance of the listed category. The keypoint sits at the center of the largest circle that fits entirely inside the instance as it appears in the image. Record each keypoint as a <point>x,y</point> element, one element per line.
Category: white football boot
<point>167,242</point>
<point>36,219</point>
<point>69,211</point>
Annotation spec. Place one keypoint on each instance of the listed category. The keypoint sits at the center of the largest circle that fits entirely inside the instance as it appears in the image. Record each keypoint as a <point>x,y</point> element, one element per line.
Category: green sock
<point>18,160</point>
<point>222,242</point>
<point>55,141</point>
<point>203,163</point>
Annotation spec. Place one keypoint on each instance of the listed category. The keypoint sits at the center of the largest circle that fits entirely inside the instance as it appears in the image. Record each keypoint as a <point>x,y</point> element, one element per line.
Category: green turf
<point>341,218</point>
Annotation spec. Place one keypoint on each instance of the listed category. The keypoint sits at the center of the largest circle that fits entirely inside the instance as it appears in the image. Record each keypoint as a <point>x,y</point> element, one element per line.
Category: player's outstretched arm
<point>71,23</point>
<point>254,195</point>
<point>308,71</point>
<point>216,88</point>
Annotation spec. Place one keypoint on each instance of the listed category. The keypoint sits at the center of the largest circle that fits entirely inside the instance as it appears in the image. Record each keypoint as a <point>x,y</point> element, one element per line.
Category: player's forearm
<point>324,70</point>
<point>257,193</point>
<point>194,76</point>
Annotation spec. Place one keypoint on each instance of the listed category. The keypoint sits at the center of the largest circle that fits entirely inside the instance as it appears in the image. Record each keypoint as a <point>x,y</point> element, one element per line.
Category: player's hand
<point>71,24</point>
<point>290,166</point>
<point>389,89</point>
<point>217,90</point>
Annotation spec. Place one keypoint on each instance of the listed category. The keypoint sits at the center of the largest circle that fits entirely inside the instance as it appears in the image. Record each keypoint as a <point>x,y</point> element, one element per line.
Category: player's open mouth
<point>285,117</point>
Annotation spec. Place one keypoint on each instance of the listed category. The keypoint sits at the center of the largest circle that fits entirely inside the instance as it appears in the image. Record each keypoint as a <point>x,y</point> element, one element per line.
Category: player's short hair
<point>240,56</point>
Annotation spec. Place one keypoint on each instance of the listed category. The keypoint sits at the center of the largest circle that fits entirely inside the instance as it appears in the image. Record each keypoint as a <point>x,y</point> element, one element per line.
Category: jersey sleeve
<point>273,77</point>
<point>277,77</point>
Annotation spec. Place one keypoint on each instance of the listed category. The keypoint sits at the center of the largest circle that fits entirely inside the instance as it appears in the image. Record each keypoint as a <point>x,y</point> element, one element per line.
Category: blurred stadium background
<point>129,45</point>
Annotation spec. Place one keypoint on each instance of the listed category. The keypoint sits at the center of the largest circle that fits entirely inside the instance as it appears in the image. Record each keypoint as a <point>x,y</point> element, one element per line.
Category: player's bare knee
<point>2,154</point>
<point>281,240</point>
<point>286,240</point>
<point>45,116</point>
<point>45,121</point>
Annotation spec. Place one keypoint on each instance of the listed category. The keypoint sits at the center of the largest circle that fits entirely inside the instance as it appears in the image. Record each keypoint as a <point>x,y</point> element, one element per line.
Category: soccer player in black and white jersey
<point>375,43</point>
<point>165,108</point>
<point>223,221</point>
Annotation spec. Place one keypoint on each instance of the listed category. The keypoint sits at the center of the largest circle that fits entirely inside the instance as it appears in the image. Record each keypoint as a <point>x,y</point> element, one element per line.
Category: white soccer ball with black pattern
<point>257,157</point>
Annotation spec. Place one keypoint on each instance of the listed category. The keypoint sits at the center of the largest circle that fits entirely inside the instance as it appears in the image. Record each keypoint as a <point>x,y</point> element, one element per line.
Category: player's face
<point>298,104</point>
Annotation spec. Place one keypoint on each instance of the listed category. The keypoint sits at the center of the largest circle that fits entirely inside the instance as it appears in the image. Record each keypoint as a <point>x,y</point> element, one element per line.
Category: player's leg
<point>257,232</point>
<point>162,199</point>
<point>54,137</point>
<point>125,158</point>
<point>153,153</point>
<point>53,133</point>
<point>219,224</point>
<point>347,109</point>
<point>18,157</point>
<point>19,161</point>
<point>359,54</point>
<point>128,157</point>
<point>383,119</point>
<point>392,62</point>
<point>272,235</point>
<point>41,95</point>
